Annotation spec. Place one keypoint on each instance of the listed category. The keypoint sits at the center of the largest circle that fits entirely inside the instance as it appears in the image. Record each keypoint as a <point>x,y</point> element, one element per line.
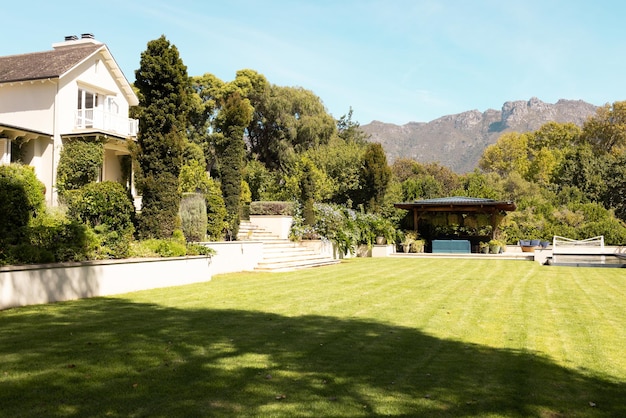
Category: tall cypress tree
<point>375,177</point>
<point>234,115</point>
<point>164,102</point>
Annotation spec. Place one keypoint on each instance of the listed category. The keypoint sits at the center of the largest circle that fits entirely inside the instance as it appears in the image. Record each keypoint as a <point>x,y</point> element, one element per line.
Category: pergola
<point>462,209</point>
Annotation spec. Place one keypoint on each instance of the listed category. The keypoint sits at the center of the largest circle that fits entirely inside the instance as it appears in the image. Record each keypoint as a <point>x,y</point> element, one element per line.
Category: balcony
<point>97,119</point>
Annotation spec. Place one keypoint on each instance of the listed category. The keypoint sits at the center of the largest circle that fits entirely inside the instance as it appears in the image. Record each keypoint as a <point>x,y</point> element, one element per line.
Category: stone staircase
<point>282,254</point>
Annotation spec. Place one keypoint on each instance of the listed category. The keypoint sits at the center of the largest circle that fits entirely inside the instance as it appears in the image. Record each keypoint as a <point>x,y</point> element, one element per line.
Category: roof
<point>57,62</point>
<point>43,65</point>
<point>458,203</point>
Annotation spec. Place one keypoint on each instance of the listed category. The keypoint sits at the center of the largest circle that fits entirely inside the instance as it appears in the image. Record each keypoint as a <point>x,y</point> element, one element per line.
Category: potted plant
<point>407,242</point>
<point>494,246</point>
<point>483,247</point>
<point>418,246</point>
<point>384,231</point>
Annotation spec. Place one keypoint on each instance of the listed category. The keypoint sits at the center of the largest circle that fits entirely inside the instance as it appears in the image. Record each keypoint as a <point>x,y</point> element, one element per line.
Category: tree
<point>350,131</point>
<point>547,148</point>
<point>235,114</point>
<point>165,99</point>
<point>607,128</point>
<point>585,169</point>
<point>287,121</point>
<point>508,154</point>
<point>340,160</point>
<point>375,177</point>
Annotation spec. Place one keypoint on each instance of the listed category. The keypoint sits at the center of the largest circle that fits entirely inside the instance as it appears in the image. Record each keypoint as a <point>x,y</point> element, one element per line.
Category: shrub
<point>216,212</point>
<point>193,216</point>
<point>21,199</point>
<point>272,208</point>
<point>107,209</point>
<point>106,203</point>
<point>160,203</point>
<point>53,237</point>
<point>79,164</point>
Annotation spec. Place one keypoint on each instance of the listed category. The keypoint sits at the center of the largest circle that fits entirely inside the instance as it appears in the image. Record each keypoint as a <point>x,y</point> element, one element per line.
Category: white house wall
<point>29,105</point>
<point>112,168</point>
<point>38,154</point>
<point>93,75</point>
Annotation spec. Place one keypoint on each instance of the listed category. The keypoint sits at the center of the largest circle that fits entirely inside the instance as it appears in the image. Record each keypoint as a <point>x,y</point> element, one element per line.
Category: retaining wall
<point>45,283</point>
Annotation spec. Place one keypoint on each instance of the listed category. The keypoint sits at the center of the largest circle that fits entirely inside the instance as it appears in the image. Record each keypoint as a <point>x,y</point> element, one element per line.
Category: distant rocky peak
<point>457,141</point>
<point>525,112</point>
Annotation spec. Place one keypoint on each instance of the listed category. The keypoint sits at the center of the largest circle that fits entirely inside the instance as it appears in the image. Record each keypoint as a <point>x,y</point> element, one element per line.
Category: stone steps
<point>281,254</point>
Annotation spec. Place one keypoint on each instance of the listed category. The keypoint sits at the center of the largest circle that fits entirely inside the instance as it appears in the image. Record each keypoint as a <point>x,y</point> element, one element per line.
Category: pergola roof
<point>457,204</point>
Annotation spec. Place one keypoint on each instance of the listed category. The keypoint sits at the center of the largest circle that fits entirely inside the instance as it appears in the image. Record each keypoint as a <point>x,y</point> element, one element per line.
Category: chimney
<point>74,41</point>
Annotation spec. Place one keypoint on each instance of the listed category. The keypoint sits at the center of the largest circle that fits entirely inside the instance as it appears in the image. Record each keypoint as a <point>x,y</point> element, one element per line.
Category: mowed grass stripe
<point>368,337</point>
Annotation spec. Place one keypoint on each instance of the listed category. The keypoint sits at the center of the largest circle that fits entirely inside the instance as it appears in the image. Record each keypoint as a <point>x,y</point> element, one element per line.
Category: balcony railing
<point>106,122</point>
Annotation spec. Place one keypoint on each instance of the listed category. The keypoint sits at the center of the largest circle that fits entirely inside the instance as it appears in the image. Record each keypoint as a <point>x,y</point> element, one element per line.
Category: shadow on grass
<point>112,357</point>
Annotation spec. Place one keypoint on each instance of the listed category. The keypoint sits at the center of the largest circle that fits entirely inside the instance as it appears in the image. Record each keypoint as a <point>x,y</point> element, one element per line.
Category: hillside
<point>457,141</point>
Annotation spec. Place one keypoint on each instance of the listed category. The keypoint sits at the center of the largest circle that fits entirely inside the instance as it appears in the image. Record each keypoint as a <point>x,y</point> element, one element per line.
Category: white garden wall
<point>276,224</point>
<point>45,283</point>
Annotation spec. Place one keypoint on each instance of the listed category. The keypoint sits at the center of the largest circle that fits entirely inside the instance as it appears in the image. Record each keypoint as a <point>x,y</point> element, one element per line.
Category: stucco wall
<point>29,285</point>
<point>36,284</point>
<point>276,224</point>
<point>29,105</point>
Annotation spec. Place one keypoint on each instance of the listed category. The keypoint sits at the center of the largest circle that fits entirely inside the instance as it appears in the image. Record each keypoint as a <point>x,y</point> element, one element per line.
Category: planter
<point>494,249</point>
<point>381,240</point>
<point>528,248</point>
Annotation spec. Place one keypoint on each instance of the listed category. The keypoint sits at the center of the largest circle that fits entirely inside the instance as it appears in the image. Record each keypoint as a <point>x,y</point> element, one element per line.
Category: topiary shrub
<point>107,208</point>
<point>22,198</point>
<point>53,237</point>
<point>79,164</point>
<point>272,208</point>
<point>160,203</point>
<point>193,216</point>
<point>216,212</point>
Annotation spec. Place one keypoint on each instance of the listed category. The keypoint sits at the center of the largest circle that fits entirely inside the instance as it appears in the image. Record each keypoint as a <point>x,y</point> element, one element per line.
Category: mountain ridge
<point>458,141</point>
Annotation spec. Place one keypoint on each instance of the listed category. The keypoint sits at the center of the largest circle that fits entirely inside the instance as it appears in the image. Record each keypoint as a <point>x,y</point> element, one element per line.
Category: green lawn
<point>368,337</point>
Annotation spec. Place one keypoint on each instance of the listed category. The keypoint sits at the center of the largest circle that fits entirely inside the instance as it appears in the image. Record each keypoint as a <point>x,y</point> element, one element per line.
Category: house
<point>75,90</point>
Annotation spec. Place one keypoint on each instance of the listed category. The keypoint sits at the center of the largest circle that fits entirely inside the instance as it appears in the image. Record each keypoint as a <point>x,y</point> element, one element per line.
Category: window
<point>87,102</point>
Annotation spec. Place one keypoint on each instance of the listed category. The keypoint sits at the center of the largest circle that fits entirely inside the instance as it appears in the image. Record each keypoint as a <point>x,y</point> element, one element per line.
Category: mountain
<point>457,141</point>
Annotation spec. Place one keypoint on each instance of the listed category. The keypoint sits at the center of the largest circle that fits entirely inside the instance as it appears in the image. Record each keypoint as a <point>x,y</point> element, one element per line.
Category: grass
<point>368,337</point>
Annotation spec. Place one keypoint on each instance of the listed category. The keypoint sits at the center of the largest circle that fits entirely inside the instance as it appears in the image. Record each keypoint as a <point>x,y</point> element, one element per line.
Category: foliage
<point>481,185</point>
<point>231,121</point>
<point>339,163</point>
<point>337,224</point>
<point>52,238</point>
<point>508,154</point>
<point>193,216</point>
<point>272,208</point>
<point>287,121</point>
<point>154,247</point>
<point>160,203</point>
<point>375,177</point>
<point>606,130</point>
<point>259,179</point>
<point>21,200</point>
<point>105,203</point>
<point>216,212</point>
<point>348,228</point>
<point>79,164</point>
<point>107,209</point>
<point>165,101</point>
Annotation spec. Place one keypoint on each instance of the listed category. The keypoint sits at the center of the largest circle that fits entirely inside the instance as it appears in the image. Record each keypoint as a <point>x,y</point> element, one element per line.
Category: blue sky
<point>394,61</point>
